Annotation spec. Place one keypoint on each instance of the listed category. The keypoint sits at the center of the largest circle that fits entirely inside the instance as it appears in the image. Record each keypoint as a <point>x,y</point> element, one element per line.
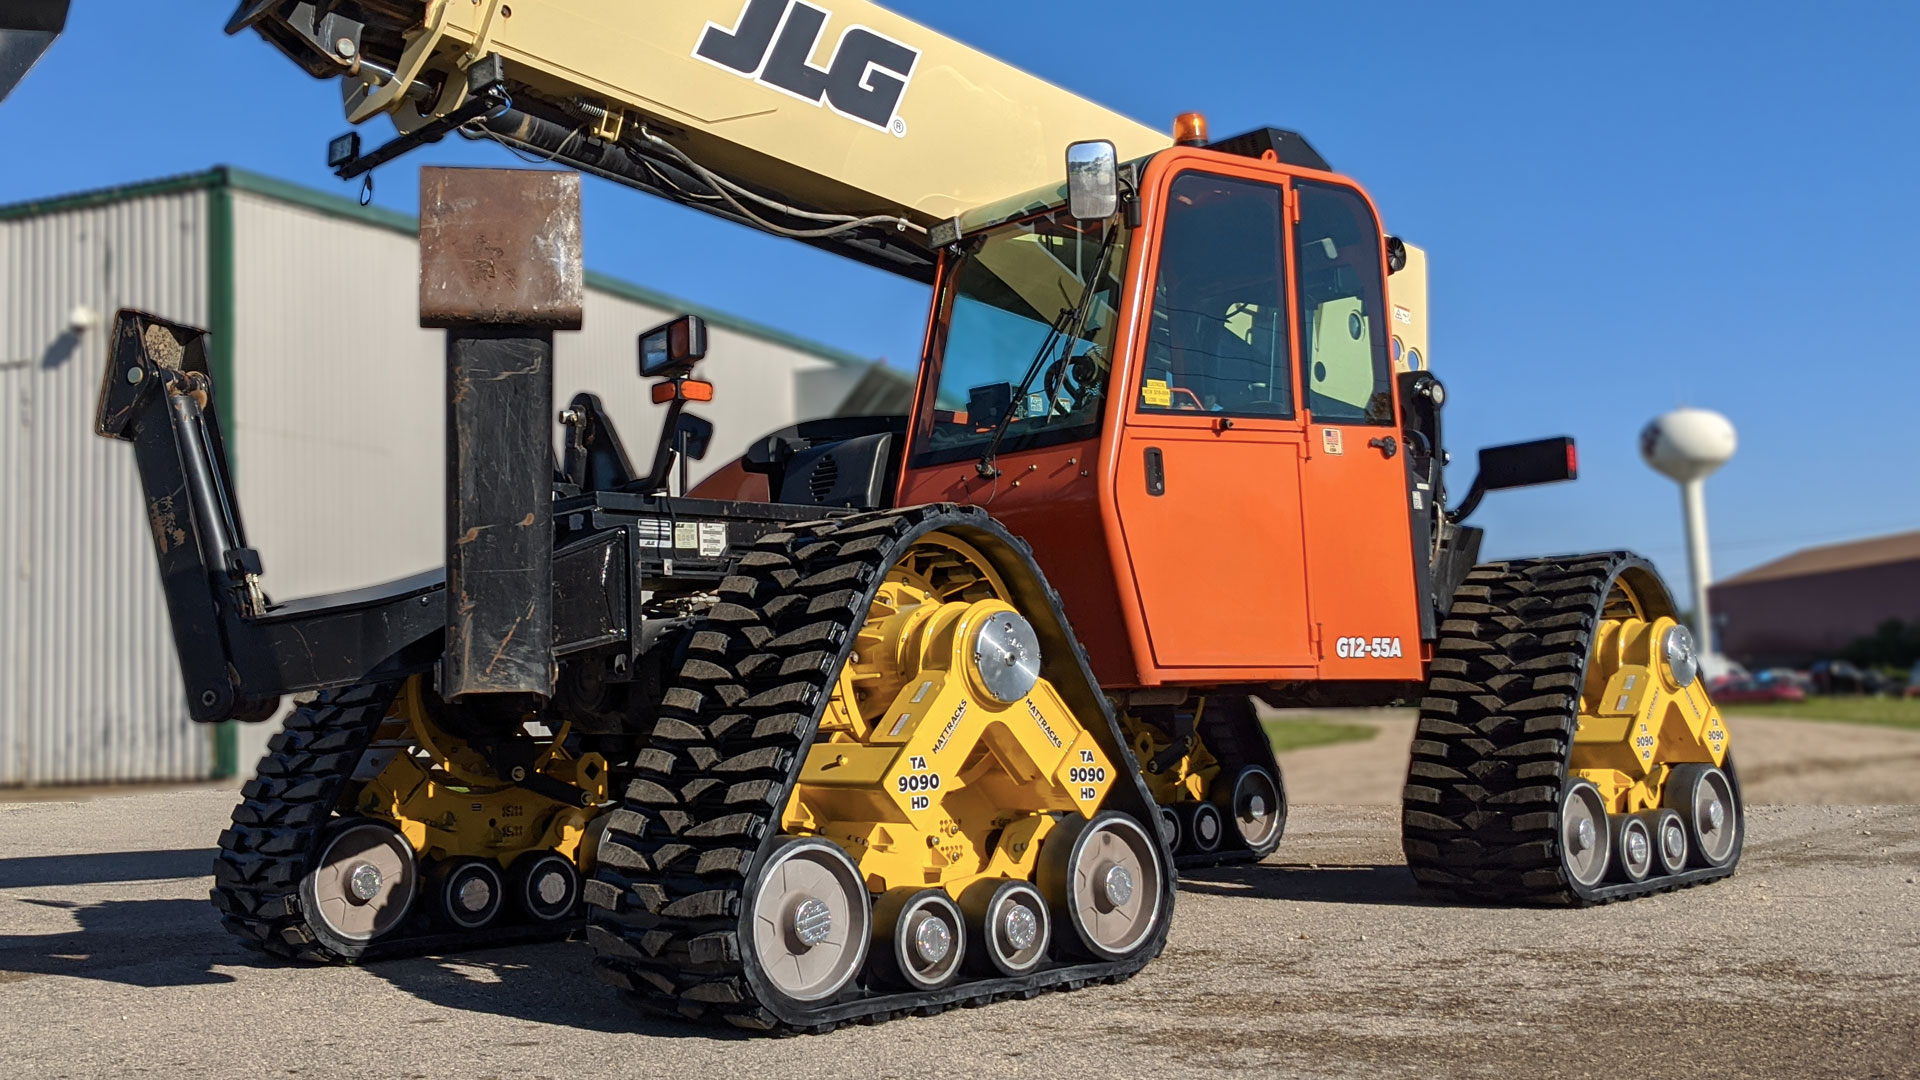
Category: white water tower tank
<point>1689,445</point>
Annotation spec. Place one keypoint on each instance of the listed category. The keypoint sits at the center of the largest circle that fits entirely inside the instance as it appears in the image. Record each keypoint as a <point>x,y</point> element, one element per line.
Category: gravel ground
<point>1325,961</point>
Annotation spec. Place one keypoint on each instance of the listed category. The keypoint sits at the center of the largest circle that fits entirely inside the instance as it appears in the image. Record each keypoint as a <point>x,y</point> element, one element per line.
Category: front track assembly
<point>1213,772</point>
<point>1566,751</point>
<point>751,876</point>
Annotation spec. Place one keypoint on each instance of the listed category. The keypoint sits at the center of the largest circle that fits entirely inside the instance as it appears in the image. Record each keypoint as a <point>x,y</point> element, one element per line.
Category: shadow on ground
<point>549,983</point>
<point>1315,883</point>
<point>169,942</point>
<point>149,941</point>
<point>178,941</point>
<point>104,868</point>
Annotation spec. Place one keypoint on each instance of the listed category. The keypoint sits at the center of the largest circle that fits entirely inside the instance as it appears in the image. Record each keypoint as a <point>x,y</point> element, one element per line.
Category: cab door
<point>1358,543</point>
<point>1208,483</point>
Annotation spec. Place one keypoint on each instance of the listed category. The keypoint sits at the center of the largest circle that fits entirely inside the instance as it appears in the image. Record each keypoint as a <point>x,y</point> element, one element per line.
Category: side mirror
<point>1543,461</point>
<point>670,350</point>
<point>1093,180</point>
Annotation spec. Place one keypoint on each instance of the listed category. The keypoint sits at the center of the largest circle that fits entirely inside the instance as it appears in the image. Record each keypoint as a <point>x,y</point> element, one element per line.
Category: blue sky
<point>1628,207</point>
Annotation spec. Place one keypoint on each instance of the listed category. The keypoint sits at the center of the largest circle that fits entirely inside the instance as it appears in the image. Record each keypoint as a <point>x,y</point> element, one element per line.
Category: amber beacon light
<point>1190,129</point>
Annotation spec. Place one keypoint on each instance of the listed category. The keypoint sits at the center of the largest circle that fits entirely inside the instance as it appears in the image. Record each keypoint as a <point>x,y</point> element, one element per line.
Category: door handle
<point>1156,472</point>
<point>1388,447</point>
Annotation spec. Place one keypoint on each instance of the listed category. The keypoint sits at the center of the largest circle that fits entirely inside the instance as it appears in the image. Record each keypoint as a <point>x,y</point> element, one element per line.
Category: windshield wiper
<point>1067,324</point>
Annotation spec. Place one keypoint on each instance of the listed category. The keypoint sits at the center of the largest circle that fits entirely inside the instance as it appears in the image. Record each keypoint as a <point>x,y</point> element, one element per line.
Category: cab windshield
<point>998,356</point>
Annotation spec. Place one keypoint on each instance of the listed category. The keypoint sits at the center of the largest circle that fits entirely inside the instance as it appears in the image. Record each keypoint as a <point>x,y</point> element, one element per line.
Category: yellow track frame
<point>1636,721</point>
<point>1188,779</point>
<point>922,775</point>
<point>448,801</point>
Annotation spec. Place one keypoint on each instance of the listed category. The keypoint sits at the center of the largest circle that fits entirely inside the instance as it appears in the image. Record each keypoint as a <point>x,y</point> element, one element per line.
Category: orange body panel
<point>731,482</point>
<point>1051,498</point>
<point>1276,552</point>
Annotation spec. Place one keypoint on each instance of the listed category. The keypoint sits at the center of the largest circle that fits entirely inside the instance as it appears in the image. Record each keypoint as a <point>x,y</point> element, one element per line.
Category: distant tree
<point>1894,643</point>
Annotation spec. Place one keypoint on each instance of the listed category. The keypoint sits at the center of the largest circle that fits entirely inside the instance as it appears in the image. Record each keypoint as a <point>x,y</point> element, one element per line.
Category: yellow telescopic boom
<point>822,112</point>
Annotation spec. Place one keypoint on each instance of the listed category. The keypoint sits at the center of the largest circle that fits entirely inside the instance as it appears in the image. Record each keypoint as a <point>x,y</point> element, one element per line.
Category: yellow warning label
<point>1156,394</point>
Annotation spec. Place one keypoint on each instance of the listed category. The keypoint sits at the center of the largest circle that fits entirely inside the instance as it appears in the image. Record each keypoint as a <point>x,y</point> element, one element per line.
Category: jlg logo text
<point>773,40</point>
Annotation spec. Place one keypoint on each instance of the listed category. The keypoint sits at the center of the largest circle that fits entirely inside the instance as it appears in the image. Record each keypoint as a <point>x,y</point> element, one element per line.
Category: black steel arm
<point>238,654</point>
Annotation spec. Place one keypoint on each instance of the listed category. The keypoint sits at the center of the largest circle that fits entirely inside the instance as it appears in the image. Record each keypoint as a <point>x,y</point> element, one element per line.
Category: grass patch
<point>1881,712</point>
<point>1307,732</point>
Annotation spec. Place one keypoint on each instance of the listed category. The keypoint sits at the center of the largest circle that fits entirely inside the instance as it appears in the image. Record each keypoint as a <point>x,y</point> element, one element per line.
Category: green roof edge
<point>228,176</point>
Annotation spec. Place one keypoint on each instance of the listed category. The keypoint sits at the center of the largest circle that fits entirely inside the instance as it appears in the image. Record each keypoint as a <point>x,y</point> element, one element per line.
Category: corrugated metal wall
<point>88,685</point>
<point>336,400</point>
<point>337,445</point>
<point>339,400</point>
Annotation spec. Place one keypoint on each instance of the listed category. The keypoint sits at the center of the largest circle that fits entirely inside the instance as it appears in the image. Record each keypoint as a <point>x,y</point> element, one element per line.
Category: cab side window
<point>1343,334</point>
<point>1217,337</point>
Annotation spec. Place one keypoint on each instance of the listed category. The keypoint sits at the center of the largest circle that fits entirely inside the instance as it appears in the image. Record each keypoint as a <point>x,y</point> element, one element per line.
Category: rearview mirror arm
<point>1472,501</point>
<point>668,450</point>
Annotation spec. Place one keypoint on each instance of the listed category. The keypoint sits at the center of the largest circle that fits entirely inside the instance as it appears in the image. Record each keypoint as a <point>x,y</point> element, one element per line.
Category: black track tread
<point>703,811</point>
<point>1490,757</point>
<point>276,833</point>
<point>276,828</point>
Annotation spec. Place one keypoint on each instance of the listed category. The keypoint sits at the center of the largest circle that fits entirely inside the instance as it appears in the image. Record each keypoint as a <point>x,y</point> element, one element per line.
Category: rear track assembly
<point>263,874</point>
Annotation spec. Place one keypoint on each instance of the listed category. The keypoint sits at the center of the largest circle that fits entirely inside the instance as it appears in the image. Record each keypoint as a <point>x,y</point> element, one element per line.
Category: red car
<point>1750,692</point>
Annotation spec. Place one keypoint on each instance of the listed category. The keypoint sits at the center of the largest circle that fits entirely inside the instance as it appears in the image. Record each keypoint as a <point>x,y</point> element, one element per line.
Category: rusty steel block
<point>500,247</point>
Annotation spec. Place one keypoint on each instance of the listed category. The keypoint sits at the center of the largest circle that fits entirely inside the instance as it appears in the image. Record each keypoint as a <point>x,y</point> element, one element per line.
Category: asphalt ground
<point>1324,961</point>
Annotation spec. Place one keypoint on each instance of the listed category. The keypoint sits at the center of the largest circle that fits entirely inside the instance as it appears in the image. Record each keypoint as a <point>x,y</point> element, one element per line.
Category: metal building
<point>331,397</point>
<point>1811,604</point>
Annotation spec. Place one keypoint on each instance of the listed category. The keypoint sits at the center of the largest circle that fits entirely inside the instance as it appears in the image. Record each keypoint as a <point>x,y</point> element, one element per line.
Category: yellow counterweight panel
<point>926,777</point>
<point>1636,720</point>
<point>443,797</point>
<point>841,103</point>
<point>1407,290</point>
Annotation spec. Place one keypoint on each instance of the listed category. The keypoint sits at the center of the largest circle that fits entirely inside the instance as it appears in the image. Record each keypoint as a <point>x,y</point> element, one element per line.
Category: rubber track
<point>276,828</point>
<point>1490,756</point>
<point>666,897</point>
<point>276,833</point>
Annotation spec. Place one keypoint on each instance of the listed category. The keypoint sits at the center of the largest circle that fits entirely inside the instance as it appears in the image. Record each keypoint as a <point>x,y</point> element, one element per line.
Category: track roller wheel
<point>544,886</point>
<point>468,893</point>
<point>1670,846</point>
<point>1169,823</point>
<point>1632,848</point>
<point>1708,806</point>
<point>811,920</point>
<point>1201,827</point>
<point>1010,927</point>
<point>1101,876</point>
<point>1584,838</point>
<point>1256,805</point>
<point>360,887</point>
<point>922,936</point>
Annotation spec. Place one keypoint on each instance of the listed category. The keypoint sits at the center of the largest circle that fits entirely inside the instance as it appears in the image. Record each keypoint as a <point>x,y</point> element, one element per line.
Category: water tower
<point>1688,445</point>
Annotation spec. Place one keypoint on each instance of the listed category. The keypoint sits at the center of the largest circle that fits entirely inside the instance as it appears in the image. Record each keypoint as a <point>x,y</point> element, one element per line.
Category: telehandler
<point>902,712</point>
